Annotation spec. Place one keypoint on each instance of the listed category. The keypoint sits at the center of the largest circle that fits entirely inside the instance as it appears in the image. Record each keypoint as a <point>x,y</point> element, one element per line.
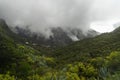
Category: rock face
<point>60,36</point>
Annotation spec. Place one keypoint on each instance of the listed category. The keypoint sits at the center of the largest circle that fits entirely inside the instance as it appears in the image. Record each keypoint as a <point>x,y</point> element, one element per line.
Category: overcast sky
<point>42,14</point>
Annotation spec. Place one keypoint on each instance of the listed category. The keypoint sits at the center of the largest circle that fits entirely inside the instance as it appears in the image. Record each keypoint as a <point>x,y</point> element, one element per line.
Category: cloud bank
<point>40,15</point>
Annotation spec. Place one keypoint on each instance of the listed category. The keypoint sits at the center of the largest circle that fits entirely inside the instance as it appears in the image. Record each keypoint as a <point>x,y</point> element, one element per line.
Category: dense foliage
<point>90,59</point>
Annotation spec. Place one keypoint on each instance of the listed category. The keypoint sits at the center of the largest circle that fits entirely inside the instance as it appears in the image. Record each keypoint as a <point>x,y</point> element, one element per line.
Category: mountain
<point>4,29</point>
<point>19,59</point>
<point>7,46</point>
<point>94,58</point>
<point>100,45</point>
<point>60,36</point>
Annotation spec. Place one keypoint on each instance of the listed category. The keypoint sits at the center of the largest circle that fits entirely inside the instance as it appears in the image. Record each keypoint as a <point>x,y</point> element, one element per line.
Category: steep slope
<point>4,30</point>
<point>98,46</point>
<point>88,59</point>
<point>19,59</point>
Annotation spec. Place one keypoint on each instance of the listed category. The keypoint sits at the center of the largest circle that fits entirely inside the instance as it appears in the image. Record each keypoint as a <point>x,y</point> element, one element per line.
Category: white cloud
<point>42,14</point>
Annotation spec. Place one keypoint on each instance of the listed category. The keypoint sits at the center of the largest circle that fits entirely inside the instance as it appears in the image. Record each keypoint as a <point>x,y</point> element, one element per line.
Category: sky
<point>105,26</point>
<point>40,15</point>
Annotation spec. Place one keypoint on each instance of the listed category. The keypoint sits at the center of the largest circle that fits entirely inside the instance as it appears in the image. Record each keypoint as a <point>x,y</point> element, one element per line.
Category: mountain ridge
<point>96,58</point>
<point>100,45</point>
<point>59,37</point>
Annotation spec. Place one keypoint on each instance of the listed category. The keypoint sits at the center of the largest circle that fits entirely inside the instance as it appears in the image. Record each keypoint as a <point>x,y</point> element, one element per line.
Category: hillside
<point>18,59</point>
<point>100,45</point>
<point>95,58</point>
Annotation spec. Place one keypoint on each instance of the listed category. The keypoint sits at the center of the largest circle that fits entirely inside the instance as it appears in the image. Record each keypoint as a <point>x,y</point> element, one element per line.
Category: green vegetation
<point>6,77</point>
<point>90,59</point>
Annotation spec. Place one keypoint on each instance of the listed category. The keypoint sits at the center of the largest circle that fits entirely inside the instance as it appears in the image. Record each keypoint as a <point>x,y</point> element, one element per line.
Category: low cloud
<point>40,15</point>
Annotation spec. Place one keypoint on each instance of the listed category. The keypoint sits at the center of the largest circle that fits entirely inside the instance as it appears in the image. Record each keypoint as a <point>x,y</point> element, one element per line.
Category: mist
<point>41,15</point>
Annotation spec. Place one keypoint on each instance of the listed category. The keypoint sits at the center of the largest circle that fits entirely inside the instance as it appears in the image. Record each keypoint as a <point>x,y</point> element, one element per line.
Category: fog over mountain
<point>40,15</point>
